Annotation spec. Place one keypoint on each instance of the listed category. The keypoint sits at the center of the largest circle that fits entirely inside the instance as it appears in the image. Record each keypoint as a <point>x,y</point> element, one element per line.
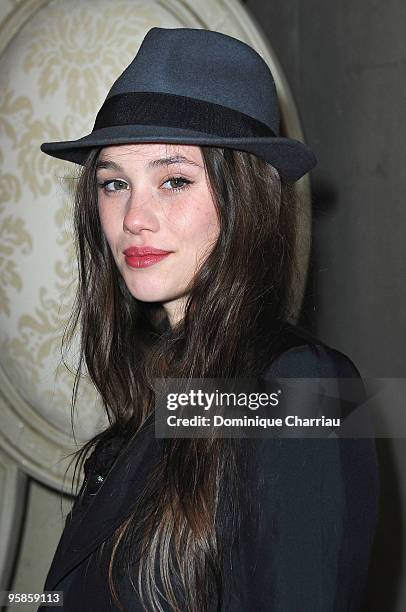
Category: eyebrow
<point>155,163</point>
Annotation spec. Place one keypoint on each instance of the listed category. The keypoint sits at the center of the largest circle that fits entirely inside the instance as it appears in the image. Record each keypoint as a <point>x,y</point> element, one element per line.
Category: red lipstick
<point>143,257</point>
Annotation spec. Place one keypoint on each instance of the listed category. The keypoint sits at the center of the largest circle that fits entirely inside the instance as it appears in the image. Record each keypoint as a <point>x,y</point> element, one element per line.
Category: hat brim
<point>290,157</point>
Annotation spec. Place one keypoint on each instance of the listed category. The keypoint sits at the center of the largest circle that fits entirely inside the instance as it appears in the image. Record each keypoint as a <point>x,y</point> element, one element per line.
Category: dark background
<point>346,66</point>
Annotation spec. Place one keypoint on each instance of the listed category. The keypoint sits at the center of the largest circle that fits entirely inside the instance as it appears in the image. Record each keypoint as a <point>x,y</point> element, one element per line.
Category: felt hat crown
<point>193,86</point>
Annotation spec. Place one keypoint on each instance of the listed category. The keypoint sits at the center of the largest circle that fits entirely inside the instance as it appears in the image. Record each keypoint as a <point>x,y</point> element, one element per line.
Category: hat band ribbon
<point>169,110</point>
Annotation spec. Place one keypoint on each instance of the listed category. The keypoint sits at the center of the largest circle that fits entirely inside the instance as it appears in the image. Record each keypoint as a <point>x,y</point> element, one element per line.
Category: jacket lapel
<point>112,504</point>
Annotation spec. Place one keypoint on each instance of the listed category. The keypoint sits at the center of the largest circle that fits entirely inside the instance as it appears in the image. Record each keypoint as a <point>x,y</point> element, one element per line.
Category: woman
<point>185,228</point>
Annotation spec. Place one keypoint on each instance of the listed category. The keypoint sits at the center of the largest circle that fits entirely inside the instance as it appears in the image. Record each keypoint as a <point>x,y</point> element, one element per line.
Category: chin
<point>146,292</point>
<point>148,296</point>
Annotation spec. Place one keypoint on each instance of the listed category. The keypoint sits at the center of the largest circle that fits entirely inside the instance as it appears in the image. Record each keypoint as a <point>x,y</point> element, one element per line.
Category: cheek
<point>200,227</point>
<point>109,223</point>
<point>207,223</point>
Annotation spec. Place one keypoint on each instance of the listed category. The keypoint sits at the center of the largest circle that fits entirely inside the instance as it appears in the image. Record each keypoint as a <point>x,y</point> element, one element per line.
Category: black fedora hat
<point>193,86</point>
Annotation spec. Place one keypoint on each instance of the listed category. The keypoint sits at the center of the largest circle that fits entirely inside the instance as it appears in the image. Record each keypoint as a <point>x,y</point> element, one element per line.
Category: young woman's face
<point>158,216</point>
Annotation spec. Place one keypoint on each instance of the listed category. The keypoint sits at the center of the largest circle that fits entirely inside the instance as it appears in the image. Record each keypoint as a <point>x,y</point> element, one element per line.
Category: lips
<point>143,257</point>
<point>141,251</point>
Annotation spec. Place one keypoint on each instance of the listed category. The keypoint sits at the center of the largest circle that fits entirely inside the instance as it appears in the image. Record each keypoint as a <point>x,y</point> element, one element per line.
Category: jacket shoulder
<point>319,495</point>
<point>302,355</point>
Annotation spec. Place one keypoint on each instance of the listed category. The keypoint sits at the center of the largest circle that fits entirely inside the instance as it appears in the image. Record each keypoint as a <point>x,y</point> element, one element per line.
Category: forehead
<point>145,152</point>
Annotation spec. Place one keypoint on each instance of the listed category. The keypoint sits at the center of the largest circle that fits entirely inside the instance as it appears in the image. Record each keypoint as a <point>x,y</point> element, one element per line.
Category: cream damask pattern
<point>39,332</point>
<point>13,233</point>
<point>82,51</point>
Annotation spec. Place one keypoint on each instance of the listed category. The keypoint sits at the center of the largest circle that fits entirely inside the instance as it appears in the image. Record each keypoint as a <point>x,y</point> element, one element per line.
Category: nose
<point>139,213</point>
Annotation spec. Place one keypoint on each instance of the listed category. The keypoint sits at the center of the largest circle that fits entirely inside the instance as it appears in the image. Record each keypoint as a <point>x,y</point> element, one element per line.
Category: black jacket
<point>319,513</point>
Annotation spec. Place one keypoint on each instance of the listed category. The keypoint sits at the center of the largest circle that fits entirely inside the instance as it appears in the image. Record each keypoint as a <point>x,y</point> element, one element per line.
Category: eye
<point>178,183</point>
<point>112,185</point>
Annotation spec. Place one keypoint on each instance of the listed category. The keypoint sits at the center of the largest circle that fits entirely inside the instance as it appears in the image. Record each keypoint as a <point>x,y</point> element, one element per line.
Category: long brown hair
<point>236,301</point>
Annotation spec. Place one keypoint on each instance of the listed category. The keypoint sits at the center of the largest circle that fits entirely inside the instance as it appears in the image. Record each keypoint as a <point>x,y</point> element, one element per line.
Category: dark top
<point>319,510</point>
